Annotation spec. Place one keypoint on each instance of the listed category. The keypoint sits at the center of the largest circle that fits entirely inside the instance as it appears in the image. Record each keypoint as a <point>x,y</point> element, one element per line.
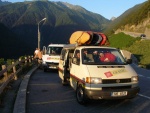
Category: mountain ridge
<point>22,19</point>
<point>63,19</point>
<point>134,19</point>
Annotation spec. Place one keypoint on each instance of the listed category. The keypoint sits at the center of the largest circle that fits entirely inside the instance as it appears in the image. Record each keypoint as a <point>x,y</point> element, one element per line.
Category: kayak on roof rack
<point>88,38</point>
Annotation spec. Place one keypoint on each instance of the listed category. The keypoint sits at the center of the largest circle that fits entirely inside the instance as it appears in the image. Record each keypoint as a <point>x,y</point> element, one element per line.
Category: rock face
<point>141,28</point>
<point>147,32</point>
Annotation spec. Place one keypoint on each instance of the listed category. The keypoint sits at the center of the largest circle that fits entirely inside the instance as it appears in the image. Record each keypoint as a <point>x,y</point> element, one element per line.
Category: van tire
<point>80,95</point>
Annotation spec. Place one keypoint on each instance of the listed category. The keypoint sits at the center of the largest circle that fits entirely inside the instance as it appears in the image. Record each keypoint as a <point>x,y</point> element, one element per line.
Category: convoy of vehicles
<point>51,56</point>
<point>92,78</point>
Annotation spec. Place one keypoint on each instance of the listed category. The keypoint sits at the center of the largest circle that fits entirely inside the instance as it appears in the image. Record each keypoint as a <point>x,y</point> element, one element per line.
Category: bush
<point>2,62</point>
<point>141,51</point>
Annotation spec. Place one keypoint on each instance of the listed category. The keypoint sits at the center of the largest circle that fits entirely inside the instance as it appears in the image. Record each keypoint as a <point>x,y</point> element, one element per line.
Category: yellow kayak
<point>89,38</point>
<point>79,37</point>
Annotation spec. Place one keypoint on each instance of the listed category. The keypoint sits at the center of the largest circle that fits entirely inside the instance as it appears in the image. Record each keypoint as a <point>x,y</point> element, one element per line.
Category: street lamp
<point>39,37</point>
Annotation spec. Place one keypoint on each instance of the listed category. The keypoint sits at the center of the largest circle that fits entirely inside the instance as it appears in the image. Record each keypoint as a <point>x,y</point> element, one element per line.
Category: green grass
<point>121,40</point>
<point>140,48</point>
<point>141,51</point>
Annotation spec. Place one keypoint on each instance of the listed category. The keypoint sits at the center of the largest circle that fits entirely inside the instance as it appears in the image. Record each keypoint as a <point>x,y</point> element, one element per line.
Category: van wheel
<point>80,95</point>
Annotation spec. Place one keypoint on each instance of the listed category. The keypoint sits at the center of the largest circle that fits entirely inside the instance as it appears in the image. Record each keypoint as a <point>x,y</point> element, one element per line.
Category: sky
<point>106,8</point>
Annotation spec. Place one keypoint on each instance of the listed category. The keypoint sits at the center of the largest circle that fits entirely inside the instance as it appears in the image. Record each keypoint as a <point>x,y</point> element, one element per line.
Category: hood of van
<point>48,58</point>
<point>111,72</point>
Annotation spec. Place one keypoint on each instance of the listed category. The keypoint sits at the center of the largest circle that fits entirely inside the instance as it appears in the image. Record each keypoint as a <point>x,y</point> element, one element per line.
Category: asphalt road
<point>46,94</point>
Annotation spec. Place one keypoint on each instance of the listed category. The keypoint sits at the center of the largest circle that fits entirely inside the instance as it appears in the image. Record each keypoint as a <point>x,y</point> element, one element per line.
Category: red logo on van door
<point>48,58</point>
<point>108,74</point>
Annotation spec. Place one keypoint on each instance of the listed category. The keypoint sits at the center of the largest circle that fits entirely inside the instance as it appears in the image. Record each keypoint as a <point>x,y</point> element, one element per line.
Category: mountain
<point>10,45</point>
<point>63,19</point>
<point>4,3</point>
<point>135,19</point>
<point>113,18</point>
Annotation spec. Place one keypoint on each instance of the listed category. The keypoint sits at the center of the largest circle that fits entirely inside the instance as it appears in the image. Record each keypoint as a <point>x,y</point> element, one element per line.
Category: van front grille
<point>110,81</point>
<point>51,63</point>
<point>116,88</point>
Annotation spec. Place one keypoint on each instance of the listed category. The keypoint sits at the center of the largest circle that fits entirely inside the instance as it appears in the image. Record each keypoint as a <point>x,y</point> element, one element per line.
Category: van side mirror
<point>61,57</point>
<point>76,61</point>
<point>129,61</point>
<point>44,50</point>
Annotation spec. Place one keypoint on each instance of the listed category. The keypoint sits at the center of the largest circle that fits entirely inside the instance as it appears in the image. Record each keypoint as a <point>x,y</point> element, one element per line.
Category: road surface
<point>46,94</point>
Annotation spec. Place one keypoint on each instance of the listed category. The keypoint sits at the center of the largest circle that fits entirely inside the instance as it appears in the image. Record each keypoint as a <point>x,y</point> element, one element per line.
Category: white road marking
<point>54,101</point>
<point>143,76</point>
<point>140,75</point>
<point>144,96</point>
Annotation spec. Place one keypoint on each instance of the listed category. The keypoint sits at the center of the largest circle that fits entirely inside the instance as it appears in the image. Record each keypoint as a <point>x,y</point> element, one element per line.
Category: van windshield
<point>54,50</point>
<point>102,56</point>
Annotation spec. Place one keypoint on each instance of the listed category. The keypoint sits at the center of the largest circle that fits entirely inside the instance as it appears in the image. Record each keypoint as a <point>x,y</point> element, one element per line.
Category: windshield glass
<point>102,56</point>
<point>54,50</point>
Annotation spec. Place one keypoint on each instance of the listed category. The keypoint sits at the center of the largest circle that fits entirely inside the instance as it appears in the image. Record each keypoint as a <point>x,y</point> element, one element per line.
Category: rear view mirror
<point>44,50</point>
<point>61,57</point>
<point>76,61</point>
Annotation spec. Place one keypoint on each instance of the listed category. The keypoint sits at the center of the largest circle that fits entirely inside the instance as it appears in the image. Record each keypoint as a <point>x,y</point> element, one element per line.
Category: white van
<point>92,77</point>
<point>51,56</point>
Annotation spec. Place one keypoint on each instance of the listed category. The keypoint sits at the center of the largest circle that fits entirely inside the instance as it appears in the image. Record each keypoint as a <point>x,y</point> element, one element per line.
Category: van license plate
<point>117,94</point>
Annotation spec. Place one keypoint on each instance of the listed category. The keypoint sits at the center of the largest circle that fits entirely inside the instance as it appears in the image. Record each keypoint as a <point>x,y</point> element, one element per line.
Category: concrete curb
<point>20,103</point>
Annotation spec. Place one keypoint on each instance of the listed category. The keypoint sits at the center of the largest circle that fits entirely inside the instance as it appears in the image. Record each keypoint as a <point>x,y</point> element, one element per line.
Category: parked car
<point>143,36</point>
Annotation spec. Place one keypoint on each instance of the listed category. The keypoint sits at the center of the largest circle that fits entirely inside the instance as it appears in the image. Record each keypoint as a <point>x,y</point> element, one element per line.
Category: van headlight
<point>134,79</point>
<point>93,80</point>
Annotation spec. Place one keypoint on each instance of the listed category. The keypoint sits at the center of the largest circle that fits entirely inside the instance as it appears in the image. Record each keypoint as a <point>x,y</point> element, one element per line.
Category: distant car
<point>143,36</point>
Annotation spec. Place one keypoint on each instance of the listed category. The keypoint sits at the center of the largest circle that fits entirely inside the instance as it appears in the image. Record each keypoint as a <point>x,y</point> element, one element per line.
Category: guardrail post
<point>29,59</point>
<point>5,74</point>
<point>14,71</point>
<point>32,57</point>
<point>25,60</point>
<point>20,61</point>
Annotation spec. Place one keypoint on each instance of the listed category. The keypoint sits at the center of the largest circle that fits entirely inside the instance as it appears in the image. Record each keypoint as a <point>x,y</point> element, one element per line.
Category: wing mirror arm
<point>129,61</point>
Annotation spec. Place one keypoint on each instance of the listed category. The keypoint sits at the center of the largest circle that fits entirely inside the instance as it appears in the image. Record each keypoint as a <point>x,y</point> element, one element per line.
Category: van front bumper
<point>49,65</point>
<point>106,94</point>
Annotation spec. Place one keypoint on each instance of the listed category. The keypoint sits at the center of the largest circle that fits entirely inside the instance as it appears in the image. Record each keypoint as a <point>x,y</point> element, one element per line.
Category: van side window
<point>62,56</point>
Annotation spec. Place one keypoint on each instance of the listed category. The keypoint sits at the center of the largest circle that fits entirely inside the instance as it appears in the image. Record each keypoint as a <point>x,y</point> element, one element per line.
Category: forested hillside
<point>19,24</point>
<point>62,19</point>
<point>8,42</point>
<point>4,3</point>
